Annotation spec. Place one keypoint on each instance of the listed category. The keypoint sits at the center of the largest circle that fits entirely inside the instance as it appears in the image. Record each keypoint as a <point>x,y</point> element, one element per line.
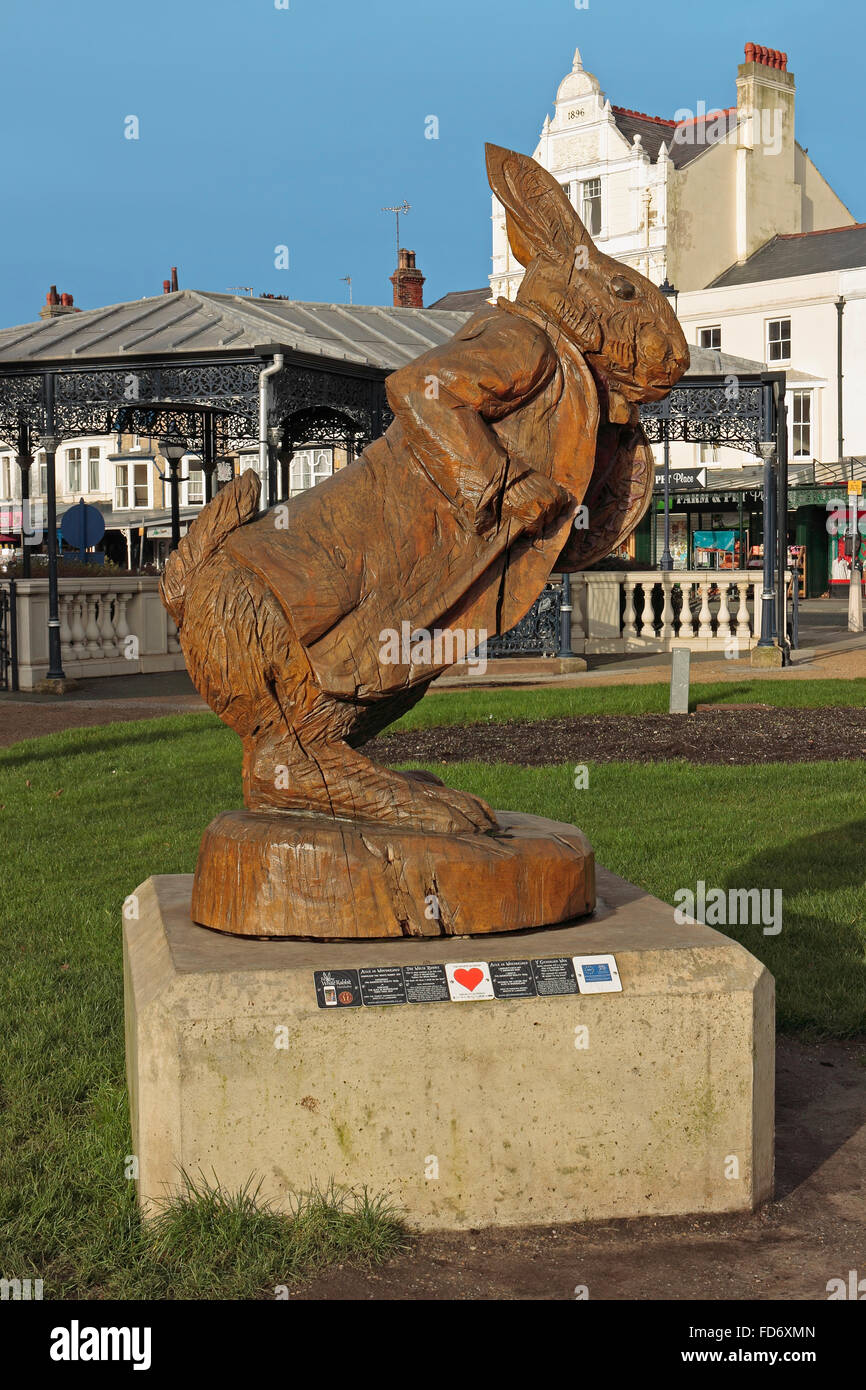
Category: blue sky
<point>262,127</point>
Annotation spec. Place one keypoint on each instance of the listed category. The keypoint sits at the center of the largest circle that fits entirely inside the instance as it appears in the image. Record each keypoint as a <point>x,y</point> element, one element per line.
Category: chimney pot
<point>52,296</point>
<point>408,282</point>
<point>166,287</point>
<point>174,278</point>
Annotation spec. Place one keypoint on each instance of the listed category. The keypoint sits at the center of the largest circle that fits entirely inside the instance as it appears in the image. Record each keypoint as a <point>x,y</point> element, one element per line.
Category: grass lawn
<point>541,702</point>
<point>89,814</point>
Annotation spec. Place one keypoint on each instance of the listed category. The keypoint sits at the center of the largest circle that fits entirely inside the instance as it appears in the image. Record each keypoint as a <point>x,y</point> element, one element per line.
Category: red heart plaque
<point>469,978</point>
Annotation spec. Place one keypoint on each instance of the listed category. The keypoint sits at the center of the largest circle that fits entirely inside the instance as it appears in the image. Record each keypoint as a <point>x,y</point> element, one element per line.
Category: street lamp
<point>173,450</point>
<point>671,294</point>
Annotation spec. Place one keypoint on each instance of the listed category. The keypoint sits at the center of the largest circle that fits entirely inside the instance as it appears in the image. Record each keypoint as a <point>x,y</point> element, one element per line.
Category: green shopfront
<point>723,529</point>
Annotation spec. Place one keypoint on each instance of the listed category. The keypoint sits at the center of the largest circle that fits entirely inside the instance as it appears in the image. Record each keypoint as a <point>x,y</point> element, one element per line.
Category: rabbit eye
<point>622,288</point>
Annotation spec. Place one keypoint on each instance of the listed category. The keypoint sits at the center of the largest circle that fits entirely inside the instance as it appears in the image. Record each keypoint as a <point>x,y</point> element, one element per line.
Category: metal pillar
<point>24,459</point>
<point>768,450</point>
<point>208,455</point>
<point>275,437</point>
<point>781,513</point>
<point>667,562</point>
<point>49,443</point>
<point>565,618</point>
<point>174,487</point>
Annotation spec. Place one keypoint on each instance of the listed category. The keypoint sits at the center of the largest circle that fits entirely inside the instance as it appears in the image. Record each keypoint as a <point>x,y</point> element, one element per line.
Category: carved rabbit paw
<point>534,500</point>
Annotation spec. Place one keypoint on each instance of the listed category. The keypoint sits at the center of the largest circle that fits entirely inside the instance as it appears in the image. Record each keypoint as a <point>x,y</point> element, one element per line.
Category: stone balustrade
<point>118,626</point>
<point>647,611</point>
<point>109,626</point>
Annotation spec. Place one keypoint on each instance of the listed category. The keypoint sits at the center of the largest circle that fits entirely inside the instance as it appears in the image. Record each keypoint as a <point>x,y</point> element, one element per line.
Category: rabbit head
<point>617,318</point>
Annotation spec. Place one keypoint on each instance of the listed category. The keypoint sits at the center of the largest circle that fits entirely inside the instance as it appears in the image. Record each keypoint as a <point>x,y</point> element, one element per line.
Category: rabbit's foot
<point>335,780</point>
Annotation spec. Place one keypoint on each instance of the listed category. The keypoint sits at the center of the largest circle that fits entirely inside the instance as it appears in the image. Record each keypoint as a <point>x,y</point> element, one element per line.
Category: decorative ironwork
<point>535,635</point>
<point>20,407</point>
<point>299,388</point>
<point>7,653</point>
<point>176,398</point>
<point>326,427</point>
<point>729,412</point>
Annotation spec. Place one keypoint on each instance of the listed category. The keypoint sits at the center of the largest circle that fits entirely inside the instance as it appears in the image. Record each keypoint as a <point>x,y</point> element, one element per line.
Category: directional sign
<point>684,479</point>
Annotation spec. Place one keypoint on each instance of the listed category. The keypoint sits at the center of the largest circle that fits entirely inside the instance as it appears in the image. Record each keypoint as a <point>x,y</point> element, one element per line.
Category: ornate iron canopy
<point>733,411</point>
<point>185,399</point>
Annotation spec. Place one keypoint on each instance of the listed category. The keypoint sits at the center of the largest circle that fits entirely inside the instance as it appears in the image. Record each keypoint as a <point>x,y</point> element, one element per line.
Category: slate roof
<point>192,322</point>
<point>800,253</point>
<point>468,300</point>
<point>704,131</point>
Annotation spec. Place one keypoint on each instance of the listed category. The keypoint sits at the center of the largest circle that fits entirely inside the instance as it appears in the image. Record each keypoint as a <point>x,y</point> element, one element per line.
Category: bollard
<point>680,662</point>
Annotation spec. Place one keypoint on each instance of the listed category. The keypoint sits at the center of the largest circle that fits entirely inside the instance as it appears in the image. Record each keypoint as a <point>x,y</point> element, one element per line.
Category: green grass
<point>103,809</point>
<point>89,814</point>
<point>665,826</point>
<point>541,702</point>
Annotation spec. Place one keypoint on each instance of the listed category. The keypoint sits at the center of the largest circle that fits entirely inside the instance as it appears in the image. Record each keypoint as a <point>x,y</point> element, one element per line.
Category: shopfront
<point>708,528</point>
<point>722,529</point>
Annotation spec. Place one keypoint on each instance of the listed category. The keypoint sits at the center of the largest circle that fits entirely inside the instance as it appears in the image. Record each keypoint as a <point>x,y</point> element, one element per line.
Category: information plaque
<point>512,979</point>
<point>466,980</point>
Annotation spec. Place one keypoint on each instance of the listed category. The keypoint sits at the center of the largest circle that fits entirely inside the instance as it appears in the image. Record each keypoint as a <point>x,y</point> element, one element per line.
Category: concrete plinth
<point>766,656</point>
<point>566,1107</point>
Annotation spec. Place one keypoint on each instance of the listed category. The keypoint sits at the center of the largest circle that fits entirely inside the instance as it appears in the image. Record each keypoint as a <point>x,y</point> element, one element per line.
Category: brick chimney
<point>57,304</point>
<point>768,197</point>
<point>408,283</point>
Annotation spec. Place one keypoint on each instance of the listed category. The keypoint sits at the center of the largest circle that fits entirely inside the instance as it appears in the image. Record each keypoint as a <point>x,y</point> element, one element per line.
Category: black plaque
<point>426,984</point>
<point>337,989</point>
<point>382,984</point>
<point>555,975</point>
<point>512,979</point>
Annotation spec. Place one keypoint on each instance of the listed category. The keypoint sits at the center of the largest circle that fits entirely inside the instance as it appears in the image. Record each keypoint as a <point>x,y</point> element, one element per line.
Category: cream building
<point>799,306</point>
<point>683,197</point>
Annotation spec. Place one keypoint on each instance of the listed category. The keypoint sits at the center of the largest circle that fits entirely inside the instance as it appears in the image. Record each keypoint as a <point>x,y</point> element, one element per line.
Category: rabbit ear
<point>539,218</point>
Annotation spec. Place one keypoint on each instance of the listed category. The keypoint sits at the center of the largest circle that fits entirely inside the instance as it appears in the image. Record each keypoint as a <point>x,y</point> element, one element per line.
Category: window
<point>131,487</point>
<point>710,337</point>
<point>73,470</point>
<point>308,467</point>
<point>709,453</point>
<point>7,478</point>
<point>801,422</point>
<point>93,468</point>
<point>43,479</point>
<point>779,340</point>
<point>195,487</point>
<point>590,205</point>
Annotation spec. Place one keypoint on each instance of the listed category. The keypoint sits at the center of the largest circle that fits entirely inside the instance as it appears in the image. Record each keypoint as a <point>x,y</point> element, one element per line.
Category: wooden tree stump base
<point>279,874</point>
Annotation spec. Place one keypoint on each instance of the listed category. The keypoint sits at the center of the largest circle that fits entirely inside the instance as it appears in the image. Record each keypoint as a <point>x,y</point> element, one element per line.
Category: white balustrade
<point>109,626</point>
<point>116,625</point>
<point>637,610</point>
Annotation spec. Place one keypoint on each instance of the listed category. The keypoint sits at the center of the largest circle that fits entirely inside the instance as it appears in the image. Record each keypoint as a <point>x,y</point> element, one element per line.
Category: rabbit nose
<point>669,356</point>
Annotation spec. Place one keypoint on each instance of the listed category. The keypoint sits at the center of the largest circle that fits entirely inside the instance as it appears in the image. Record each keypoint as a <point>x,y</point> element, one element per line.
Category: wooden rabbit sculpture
<point>451,522</point>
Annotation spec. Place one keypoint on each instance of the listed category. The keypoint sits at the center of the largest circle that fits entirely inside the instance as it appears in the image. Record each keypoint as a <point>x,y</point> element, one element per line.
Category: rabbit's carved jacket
<point>427,526</point>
